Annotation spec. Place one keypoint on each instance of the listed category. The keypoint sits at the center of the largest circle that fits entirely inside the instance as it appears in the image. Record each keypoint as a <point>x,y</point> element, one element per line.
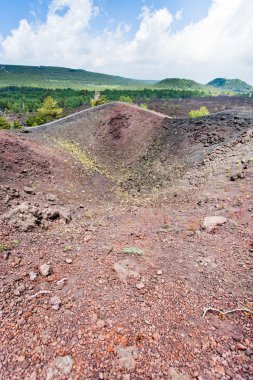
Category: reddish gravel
<point>128,315</point>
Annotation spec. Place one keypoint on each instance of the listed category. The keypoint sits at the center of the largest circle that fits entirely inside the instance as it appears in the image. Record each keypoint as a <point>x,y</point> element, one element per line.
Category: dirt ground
<point>113,250</point>
<point>181,107</point>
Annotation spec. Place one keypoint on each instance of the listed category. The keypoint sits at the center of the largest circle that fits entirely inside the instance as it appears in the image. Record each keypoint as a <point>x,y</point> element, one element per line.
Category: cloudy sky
<point>198,39</point>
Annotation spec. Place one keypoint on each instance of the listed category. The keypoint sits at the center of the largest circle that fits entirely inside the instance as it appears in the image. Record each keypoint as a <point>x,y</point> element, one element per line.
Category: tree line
<point>29,99</point>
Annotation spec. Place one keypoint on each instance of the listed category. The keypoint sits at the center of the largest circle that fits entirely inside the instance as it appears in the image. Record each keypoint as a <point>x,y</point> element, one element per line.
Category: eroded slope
<point>142,150</point>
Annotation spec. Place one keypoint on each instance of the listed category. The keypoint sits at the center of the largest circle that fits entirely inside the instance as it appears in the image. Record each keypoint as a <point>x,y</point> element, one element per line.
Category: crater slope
<point>143,150</point>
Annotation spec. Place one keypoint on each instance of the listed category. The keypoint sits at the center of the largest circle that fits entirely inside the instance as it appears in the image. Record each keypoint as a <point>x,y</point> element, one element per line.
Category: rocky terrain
<point>126,247</point>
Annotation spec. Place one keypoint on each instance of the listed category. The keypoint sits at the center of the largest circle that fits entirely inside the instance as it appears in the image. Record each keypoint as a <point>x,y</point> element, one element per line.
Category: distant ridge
<point>218,85</point>
<point>60,77</point>
<point>235,85</point>
<point>180,84</point>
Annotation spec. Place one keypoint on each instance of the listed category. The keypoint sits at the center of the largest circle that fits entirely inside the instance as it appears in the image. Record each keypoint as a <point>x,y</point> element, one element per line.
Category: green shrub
<point>203,111</point>
<point>97,102</point>
<point>16,124</point>
<point>33,121</point>
<point>4,124</point>
<point>144,106</point>
<point>126,99</point>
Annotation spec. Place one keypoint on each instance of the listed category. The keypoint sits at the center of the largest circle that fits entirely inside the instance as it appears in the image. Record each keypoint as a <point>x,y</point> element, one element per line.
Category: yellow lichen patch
<point>84,157</point>
<point>92,167</point>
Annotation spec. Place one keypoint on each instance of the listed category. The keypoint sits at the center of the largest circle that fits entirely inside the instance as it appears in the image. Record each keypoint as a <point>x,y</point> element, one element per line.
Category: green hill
<point>180,84</point>
<point>60,77</point>
<point>235,85</point>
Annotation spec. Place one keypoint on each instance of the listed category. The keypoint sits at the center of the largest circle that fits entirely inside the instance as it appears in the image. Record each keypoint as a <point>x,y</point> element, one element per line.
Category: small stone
<point>29,190</point>
<point>21,321</point>
<point>21,358</point>
<point>139,285</point>
<point>87,238</point>
<point>106,249</point>
<point>249,351</point>
<point>21,289</point>
<point>219,369</point>
<point>174,374</point>
<point>32,275</point>
<point>68,260</point>
<point>6,255</point>
<point>33,376</point>
<point>61,367</point>
<point>101,376</point>
<point>126,268</point>
<point>45,270</point>
<point>101,323</point>
<point>211,222</point>
<point>52,198</point>
<point>159,272</point>
<point>127,357</point>
<point>236,337</point>
<point>241,347</point>
<point>126,376</point>
<point>61,282</point>
<point>155,336</point>
<point>55,302</point>
<point>15,262</point>
<point>52,214</point>
<point>25,364</point>
<point>94,317</point>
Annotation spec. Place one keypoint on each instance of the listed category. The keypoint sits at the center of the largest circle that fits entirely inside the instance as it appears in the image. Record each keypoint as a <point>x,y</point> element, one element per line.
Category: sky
<point>144,39</point>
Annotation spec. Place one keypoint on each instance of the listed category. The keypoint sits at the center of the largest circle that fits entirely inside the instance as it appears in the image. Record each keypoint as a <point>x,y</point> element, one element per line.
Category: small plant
<point>4,247</point>
<point>202,111</point>
<point>4,124</point>
<point>134,250</point>
<point>194,225</point>
<point>67,248</point>
<point>97,102</point>
<point>144,106</point>
<point>126,99</point>
<point>16,124</point>
<point>88,214</point>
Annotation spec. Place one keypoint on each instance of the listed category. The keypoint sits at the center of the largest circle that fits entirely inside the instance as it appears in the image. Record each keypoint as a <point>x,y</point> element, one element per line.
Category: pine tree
<point>49,109</point>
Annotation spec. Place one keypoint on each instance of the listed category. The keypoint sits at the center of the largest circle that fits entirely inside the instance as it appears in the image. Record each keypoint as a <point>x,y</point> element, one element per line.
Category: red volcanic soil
<point>181,107</point>
<point>97,310</point>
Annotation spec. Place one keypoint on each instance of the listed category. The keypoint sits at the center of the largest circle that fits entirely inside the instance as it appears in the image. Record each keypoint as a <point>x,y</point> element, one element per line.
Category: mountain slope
<point>235,85</point>
<point>180,84</point>
<point>59,77</point>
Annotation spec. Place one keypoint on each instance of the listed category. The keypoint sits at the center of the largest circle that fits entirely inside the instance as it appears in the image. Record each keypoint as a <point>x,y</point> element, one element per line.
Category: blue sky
<point>111,12</point>
<point>145,39</point>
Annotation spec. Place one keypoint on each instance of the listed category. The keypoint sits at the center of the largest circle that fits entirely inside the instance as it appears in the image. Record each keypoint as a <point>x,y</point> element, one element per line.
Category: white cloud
<point>179,15</point>
<point>221,44</point>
